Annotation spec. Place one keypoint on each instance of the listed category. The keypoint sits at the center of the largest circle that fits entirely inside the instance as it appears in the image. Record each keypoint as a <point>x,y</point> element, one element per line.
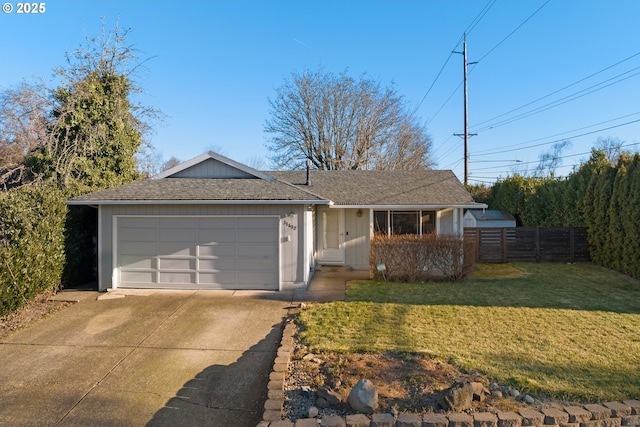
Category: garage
<point>204,252</point>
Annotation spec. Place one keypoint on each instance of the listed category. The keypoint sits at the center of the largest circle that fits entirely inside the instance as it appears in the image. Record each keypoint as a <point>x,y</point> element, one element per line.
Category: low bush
<point>32,221</point>
<point>414,258</point>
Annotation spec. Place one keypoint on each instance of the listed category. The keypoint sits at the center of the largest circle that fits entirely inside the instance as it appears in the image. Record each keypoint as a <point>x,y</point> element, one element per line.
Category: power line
<point>453,165</point>
<point>556,91</point>
<point>451,149</point>
<point>444,104</point>
<point>435,150</point>
<point>478,18</point>
<point>556,158</point>
<point>470,27</point>
<point>513,32</point>
<point>558,140</point>
<point>484,56</point>
<point>564,100</point>
<point>563,133</point>
<point>537,161</point>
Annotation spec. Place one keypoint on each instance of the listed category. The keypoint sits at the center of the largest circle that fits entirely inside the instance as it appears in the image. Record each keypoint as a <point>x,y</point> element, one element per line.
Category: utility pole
<point>466,133</point>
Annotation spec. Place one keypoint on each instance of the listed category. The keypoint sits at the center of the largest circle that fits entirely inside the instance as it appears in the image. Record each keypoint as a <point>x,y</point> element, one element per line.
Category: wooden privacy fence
<point>530,244</point>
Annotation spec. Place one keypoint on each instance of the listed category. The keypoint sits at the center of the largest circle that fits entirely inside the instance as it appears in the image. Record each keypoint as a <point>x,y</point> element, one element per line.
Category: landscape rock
<point>310,357</point>
<point>313,412</point>
<point>478,391</point>
<point>332,398</point>
<point>529,400</point>
<point>496,393</point>
<point>322,403</point>
<point>363,397</point>
<point>457,398</point>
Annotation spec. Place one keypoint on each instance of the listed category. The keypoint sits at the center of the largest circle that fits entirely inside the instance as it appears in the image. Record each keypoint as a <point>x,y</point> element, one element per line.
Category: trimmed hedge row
<point>414,258</point>
<point>32,246</point>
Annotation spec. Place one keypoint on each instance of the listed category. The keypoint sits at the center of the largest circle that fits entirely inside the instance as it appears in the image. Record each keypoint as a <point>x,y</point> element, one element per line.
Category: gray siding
<point>292,249</point>
<point>212,169</point>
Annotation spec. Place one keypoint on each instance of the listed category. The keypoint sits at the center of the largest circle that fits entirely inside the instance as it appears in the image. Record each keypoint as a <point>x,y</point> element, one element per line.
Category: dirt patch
<point>405,382</point>
<point>35,310</point>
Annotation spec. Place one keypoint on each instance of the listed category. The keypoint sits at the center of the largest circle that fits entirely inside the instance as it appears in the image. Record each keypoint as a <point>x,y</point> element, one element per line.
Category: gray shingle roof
<point>357,187</point>
<point>176,189</point>
<point>347,188</point>
<point>491,215</point>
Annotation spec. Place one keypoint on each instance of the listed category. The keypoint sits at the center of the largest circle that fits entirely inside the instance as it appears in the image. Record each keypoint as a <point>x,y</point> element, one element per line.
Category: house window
<point>428,222</point>
<point>404,222</point>
<point>381,222</point>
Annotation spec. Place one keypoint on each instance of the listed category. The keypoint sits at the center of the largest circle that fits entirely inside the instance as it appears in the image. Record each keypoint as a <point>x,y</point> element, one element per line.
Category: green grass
<point>555,330</point>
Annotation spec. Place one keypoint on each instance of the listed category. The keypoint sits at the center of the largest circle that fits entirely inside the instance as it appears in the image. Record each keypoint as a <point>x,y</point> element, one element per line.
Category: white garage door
<point>197,252</point>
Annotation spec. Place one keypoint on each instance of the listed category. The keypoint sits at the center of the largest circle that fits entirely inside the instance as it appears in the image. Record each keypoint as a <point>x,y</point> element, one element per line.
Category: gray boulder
<point>457,398</point>
<point>363,397</point>
<point>332,398</point>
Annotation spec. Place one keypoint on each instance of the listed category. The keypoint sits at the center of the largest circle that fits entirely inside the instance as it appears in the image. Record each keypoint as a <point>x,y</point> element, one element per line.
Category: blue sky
<point>215,65</point>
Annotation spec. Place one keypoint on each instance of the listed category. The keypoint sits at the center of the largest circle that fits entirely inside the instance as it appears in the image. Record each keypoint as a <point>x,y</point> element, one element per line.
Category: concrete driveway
<point>157,358</point>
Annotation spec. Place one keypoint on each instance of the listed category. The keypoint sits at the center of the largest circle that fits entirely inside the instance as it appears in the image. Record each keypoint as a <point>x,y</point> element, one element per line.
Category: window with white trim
<point>394,222</point>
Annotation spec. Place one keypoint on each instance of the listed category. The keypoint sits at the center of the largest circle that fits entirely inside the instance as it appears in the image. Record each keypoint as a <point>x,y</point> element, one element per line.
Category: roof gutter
<point>196,202</point>
<point>425,206</point>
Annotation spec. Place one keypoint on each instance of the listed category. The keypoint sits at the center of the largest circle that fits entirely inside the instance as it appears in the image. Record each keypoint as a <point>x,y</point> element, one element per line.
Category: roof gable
<point>213,166</point>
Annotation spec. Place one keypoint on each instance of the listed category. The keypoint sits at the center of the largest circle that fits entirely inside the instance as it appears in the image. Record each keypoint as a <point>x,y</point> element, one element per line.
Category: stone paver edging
<point>609,414</point>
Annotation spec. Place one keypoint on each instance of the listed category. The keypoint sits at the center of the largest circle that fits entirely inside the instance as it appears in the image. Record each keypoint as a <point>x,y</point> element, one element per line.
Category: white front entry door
<point>331,236</point>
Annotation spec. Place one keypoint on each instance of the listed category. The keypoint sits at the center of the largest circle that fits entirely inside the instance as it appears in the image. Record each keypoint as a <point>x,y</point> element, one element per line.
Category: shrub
<point>421,258</point>
<point>31,243</point>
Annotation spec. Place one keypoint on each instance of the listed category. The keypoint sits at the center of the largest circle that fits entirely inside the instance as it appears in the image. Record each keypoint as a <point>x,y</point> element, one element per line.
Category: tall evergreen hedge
<point>618,229</point>
<point>601,196</point>
<point>32,257</point>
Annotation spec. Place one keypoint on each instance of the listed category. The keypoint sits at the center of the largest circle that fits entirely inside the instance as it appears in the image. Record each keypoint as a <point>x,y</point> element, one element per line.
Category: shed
<point>483,218</point>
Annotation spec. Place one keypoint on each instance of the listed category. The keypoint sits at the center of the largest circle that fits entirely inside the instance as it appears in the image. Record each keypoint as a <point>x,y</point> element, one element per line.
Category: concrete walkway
<point>329,284</point>
<point>152,358</point>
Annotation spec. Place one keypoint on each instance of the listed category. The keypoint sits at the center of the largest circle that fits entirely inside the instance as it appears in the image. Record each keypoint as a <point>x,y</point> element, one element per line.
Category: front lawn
<point>555,330</point>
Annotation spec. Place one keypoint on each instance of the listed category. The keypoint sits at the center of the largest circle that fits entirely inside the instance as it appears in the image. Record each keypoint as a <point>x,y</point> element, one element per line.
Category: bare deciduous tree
<point>24,120</point>
<point>550,160</point>
<point>340,123</point>
<point>612,147</point>
<point>172,162</point>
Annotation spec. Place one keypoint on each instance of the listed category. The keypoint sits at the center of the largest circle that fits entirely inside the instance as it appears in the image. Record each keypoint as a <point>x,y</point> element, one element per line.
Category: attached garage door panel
<point>198,253</point>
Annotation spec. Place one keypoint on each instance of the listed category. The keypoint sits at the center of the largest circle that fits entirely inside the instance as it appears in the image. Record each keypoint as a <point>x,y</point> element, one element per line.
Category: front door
<point>331,236</point>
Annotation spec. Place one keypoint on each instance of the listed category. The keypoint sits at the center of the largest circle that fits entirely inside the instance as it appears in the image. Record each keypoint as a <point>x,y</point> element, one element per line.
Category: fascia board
<point>425,206</point>
<point>215,156</point>
<point>196,202</point>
